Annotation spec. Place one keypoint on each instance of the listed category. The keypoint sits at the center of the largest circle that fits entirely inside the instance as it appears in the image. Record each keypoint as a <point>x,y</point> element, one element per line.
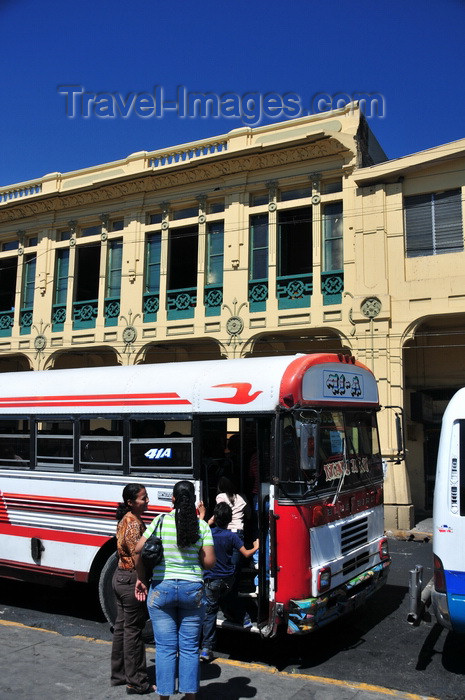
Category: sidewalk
<point>422,531</point>
<point>37,664</point>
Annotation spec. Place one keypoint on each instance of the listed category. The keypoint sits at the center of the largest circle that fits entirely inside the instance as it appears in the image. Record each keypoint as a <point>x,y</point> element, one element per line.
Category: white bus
<point>70,440</point>
<point>448,592</point>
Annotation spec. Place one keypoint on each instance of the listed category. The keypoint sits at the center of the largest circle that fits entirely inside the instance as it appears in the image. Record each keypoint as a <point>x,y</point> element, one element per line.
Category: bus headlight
<point>324,579</point>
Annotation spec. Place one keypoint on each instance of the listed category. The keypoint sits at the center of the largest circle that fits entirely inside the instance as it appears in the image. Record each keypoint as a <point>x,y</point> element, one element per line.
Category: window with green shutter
<point>152,276</point>
<point>61,289</point>
<point>27,302</point>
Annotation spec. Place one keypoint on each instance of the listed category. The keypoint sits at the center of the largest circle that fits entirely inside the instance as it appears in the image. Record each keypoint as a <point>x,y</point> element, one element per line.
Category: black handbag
<point>152,551</point>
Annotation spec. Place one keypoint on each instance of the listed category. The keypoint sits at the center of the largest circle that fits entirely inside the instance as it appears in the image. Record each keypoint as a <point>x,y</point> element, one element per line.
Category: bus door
<point>240,448</point>
<point>214,461</point>
<point>262,496</point>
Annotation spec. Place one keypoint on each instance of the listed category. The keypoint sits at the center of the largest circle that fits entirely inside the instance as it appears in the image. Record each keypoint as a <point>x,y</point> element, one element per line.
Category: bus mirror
<point>309,447</point>
<point>400,443</point>
<point>398,417</point>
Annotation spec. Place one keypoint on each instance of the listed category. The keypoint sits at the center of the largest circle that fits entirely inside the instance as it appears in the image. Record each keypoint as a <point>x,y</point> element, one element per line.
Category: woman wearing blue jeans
<point>176,600</point>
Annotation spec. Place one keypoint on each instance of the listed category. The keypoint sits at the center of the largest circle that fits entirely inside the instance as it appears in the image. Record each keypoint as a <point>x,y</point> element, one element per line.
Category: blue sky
<point>411,53</point>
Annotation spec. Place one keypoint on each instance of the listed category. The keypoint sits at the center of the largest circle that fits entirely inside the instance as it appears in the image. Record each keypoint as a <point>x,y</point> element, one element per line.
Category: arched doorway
<point>292,342</point>
<point>95,357</point>
<point>181,352</point>
<point>15,363</point>
<point>434,368</point>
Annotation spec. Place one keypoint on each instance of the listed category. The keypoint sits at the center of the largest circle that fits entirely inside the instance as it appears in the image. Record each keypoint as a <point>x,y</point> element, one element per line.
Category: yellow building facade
<point>295,237</point>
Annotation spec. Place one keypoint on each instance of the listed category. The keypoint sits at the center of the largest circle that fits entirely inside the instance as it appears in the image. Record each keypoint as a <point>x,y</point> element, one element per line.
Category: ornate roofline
<point>202,171</point>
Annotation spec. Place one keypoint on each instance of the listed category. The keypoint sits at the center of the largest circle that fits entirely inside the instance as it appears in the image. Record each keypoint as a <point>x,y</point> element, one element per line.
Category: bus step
<point>244,594</point>
<point>227,624</point>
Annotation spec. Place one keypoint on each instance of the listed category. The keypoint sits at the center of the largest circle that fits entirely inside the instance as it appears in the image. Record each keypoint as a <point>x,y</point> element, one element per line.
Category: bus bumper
<point>306,615</point>
<point>449,609</point>
<point>441,608</point>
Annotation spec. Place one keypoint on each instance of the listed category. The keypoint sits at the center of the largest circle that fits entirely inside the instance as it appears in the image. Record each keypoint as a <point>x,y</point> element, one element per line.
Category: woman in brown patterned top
<point>128,649</point>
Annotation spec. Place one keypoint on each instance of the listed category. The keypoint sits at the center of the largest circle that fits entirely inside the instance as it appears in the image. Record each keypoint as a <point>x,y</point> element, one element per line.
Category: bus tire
<point>105,589</point>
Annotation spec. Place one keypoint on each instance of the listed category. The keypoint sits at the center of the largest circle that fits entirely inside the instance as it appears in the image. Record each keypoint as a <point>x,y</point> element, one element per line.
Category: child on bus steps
<point>227,493</point>
<point>219,580</point>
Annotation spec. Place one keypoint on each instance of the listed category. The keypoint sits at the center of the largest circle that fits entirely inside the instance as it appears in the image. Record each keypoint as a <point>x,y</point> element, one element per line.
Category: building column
<point>398,506</point>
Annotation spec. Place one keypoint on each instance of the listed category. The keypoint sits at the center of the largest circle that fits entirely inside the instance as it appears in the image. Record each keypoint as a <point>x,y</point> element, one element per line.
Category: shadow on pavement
<point>312,650</point>
<point>236,687</point>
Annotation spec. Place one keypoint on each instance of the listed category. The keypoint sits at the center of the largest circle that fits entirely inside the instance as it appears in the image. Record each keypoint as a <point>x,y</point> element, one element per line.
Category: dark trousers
<point>128,649</point>
<point>216,591</point>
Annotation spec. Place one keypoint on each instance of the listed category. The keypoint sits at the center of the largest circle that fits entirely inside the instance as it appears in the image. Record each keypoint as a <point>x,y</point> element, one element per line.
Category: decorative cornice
<point>153,181</point>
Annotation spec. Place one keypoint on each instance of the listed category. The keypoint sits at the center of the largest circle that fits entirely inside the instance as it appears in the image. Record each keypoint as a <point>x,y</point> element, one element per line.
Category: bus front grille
<point>353,535</point>
<point>352,564</point>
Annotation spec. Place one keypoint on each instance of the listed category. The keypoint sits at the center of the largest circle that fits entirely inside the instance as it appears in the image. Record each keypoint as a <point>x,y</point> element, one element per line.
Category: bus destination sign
<point>342,385</point>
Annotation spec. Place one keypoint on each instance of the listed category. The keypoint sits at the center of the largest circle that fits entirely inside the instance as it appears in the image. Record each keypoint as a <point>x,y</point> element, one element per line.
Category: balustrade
<point>181,303</point>
<point>112,310</point>
<point>332,286</point>
<point>85,313</point>
<point>213,299</point>
<point>25,320</point>
<point>6,323</point>
<point>258,294</point>
<point>294,291</point>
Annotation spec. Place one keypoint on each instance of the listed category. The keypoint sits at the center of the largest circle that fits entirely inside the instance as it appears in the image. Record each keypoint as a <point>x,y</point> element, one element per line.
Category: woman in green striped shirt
<point>175,600</point>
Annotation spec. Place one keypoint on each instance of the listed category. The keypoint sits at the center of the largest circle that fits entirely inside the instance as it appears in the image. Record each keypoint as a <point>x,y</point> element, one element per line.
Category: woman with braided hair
<point>176,600</point>
<point>128,648</point>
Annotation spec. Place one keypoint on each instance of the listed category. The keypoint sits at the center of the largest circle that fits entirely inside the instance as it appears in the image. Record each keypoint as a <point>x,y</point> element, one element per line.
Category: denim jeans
<point>176,609</point>
<point>215,590</point>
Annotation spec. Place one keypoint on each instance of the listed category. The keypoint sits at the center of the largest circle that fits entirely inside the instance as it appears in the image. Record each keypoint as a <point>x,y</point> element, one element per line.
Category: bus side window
<point>101,454</point>
<point>147,428</point>
<point>14,444</point>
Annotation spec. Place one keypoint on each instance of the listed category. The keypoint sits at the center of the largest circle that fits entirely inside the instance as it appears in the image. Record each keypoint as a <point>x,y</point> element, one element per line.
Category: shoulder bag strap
<point>159,523</point>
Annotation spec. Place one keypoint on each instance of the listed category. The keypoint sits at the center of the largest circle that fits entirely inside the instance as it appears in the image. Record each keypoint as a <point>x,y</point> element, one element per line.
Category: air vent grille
<point>354,534</point>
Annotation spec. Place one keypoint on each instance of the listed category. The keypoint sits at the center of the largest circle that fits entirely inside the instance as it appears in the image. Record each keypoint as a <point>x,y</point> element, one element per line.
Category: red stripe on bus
<point>151,510</point>
<point>3,509</point>
<point>81,501</point>
<point>163,395</point>
<point>159,399</point>
<point>65,510</point>
<point>54,535</point>
<point>152,402</point>
<point>57,509</point>
<point>7,567</point>
<point>72,508</point>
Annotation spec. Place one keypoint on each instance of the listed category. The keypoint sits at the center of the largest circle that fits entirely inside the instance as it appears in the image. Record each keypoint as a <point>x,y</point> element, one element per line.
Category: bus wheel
<point>105,589</point>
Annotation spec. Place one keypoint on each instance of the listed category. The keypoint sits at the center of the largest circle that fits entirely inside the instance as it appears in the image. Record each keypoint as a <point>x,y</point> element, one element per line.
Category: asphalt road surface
<point>375,645</point>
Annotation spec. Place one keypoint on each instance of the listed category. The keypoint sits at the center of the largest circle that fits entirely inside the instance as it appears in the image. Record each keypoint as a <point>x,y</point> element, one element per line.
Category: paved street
<point>374,648</point>
<point>36,663</point>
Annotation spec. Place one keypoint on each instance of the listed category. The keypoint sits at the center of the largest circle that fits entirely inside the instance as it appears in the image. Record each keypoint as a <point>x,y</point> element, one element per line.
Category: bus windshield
<point>319,448</point>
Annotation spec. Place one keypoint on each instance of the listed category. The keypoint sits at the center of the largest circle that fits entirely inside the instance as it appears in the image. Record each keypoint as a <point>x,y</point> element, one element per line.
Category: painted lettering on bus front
<point>341,384</point>
<point>334,470</point>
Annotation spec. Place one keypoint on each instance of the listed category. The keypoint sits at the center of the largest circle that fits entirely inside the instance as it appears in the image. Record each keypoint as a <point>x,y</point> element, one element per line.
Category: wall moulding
<point>83,339</point>
<point>212,327</point>
<point>184,176</point>
<point>294,320</point>
<point>180,330</point>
